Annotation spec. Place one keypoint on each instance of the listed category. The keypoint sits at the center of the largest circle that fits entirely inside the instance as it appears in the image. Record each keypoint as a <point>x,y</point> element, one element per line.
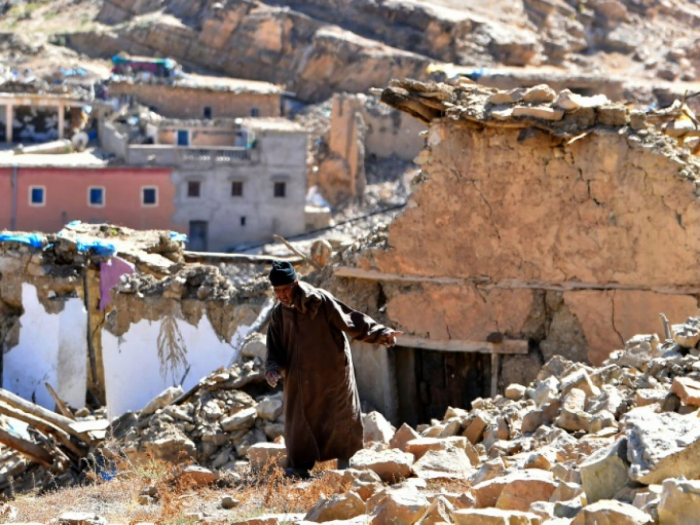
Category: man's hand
<point>272,377</point>
<point>391,339</point>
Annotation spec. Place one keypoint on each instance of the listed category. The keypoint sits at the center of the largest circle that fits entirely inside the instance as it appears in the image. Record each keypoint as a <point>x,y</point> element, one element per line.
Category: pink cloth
<point>110,274</point>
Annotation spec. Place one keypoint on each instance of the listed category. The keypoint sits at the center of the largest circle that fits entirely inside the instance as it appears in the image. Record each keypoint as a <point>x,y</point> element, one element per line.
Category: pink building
<point>46,198</point>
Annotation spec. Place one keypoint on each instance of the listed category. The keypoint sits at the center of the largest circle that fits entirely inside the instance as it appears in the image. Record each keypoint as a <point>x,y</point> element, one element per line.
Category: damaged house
<point>542,223</point>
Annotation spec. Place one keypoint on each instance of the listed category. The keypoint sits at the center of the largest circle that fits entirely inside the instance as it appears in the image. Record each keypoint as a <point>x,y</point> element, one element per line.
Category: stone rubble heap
<point>582,445</point>
<point>214,424</point>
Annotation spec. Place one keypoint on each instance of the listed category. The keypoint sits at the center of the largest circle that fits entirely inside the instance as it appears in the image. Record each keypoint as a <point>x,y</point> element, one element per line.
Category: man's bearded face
<point>285,293</point>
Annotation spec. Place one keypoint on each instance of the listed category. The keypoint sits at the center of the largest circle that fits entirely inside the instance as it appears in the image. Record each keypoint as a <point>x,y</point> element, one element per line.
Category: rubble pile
<point>214,424</point>
<point>580,444</point>
<point>565,114</point>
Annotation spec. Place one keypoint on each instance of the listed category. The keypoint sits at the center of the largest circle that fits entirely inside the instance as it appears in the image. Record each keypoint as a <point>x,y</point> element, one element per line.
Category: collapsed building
<point>542,223</point>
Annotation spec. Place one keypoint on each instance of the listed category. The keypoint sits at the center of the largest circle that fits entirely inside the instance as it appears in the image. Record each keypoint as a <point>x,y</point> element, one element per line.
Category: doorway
<point>198,238</point>
<point>429,381</point>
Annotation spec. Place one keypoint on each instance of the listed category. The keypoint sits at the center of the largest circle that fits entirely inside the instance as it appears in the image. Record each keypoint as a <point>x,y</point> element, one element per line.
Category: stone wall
<point>186,102</point>
<point>575,246</point>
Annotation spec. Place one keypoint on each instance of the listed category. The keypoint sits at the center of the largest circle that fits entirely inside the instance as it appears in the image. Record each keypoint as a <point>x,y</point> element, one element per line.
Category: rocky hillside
<point>316,47</point>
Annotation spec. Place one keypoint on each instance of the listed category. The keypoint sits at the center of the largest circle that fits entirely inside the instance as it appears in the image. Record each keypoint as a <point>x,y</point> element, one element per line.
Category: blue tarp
<point>178,237</point>
<point>105,249</point>
<point>32,239</point>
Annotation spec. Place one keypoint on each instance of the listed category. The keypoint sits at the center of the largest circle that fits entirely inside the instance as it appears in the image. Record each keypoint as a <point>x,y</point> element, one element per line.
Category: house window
<point>194,189</point>
<point>183,137</point>
<point>237,189</point>
<point>37,195</point>
<point>280,189</point>
<point>243,221</point>
<point>254,112</point>
<point>207,112</point>
<point>96,196</point>
<point>149,196</point>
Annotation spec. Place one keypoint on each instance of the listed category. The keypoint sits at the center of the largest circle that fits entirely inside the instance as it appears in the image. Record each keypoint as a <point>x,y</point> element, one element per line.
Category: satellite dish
<point>80,141</point>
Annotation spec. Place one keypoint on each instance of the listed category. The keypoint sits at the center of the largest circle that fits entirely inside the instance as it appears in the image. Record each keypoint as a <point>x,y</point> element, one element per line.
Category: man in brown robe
<point>306,344</point>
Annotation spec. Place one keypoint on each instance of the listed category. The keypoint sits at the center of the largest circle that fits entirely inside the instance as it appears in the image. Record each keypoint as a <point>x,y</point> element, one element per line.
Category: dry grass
<point>117,500</point>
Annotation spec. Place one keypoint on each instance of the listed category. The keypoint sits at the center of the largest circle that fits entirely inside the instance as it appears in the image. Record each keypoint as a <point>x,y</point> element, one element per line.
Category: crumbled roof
<point>208,83</point>
<point>272,124</point>
<point>86,159</point>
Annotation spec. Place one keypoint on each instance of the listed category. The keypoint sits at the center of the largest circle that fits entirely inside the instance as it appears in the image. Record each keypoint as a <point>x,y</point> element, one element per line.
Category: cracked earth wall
<point>576,247</point>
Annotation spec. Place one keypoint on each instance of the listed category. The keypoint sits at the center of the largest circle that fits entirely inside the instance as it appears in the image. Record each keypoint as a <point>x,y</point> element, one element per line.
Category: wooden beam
<point>59,402</point>
<point>237,258</point>
<point>40,412</point>
<point>294,249</point>
<point>508,346</point>
<point>33,451</point>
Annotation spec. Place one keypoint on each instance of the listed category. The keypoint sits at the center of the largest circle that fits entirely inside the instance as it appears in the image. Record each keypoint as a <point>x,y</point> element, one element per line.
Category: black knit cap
<point>282,273</point>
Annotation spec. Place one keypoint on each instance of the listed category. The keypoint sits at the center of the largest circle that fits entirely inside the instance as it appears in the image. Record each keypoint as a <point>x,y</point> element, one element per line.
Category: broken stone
<point>612,115</point>
<point>532,420</point>
<point>572,416</point>
<point>390,465</point>
<point>397,507</point>
<point>81,518</point>
<point>686,335</point>
<point>688,390</point>
<point>605,472</point>
<point>506,97</point>
<point>475,428</point>
<point>241,420</point>
<point>538,112</point>
<point>255,346</point>
<point>269,408</point>
<point>662,446</point>
<point>451,463</point>
<point>439,511</point>
<point>163,399</point>
<point>402,436</point>
<point>495,517</point>
<point>680,502</point>
<point>539,94</point>
<point>602,420</point>
<point>418,447</point>
<point>519,493</point>
<point>582,381</point>
<point>515,392</point>
<point>337,507</point>
<point>377,429</point>
<point>196,476</point>
<point>569,101</point>
<point>566,491</point>
<point>229,502</point>
<point>266,455</point>
<point>611,512</point>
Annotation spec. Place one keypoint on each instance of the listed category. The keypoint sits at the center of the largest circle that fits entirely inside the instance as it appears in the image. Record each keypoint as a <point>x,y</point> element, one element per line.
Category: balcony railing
<point>169,155</point>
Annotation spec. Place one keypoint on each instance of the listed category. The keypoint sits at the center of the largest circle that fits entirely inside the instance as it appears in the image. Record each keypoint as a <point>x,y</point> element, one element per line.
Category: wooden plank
<point>33,451</point>
<point>40,412</point>
<point>59,402</point>
<point>294,249</point>
<point>237,258</point>
<point>462,345</point>
<point>89,425</point>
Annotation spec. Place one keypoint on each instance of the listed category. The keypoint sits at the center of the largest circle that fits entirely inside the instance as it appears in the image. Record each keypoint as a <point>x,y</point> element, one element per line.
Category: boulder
<point>196,476</point>
<point>605,472</point>
<point>572,416</point>
<point>266,455</point>
<point>611,512</point>
<point>337,507</point>
<point>377,429</point>
<point>270,408</point>
<point>402,436</point>
<point>451,463</point>
<point>418,447</point>
<point>581,380</point>
<point>680,502</point>
<point>515,392</point>
<point>474,430</point>
<point>162,400</point>
<point>688,390</point>
<point>440,511</point>
<point>241,420</point>
<point>390,465</point>
<point>255,346</point>
<point>495,517</point>
<point>525,485</point>
<point>662,446</point>
<point>521,491</point>
<point>397,507</point>
<point>229,502</point>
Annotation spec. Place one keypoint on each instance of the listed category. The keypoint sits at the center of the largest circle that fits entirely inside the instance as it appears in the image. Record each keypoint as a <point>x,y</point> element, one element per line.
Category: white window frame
<point>187,189</point>
<point>155,204</point>
<point>104,196</point>
<point>29,197</point>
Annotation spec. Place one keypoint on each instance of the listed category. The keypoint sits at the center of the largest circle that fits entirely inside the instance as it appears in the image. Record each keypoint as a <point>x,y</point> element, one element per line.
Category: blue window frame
<point>96,196</point>
<point>183,137</point>
<point>37,195</point>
